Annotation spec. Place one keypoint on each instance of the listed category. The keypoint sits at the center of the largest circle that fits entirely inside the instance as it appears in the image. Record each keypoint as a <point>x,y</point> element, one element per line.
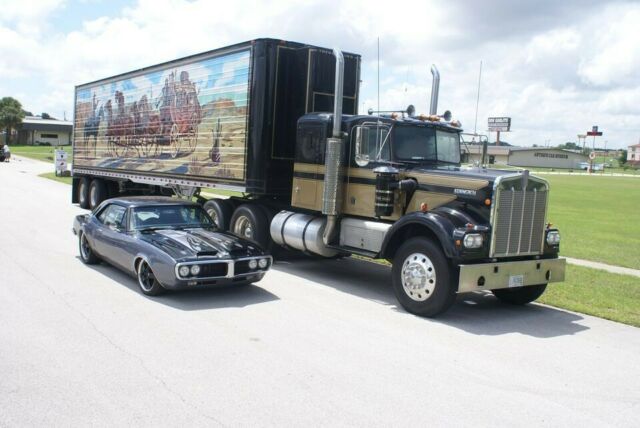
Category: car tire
<point>97,192</point>
<point>220,210</point>
<point>87,255</point>
<point>421,278</point>
<point>520,295</point>
<point>147,281</point>
<point>83,192</point>
<point>251,223</point>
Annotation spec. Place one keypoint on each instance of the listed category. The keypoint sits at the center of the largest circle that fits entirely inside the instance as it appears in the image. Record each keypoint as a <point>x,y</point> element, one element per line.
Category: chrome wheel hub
<point>214,216</point>
<point>84,247</point>
<point>243,227</point>
<point>418,277</point>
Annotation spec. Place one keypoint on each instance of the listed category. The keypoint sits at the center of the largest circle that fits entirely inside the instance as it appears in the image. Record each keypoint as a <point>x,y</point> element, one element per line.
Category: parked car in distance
<point>167,243</point>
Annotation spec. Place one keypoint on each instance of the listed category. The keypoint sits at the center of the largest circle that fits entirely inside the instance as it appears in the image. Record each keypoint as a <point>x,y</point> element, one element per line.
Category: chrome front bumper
<point>509,274</point>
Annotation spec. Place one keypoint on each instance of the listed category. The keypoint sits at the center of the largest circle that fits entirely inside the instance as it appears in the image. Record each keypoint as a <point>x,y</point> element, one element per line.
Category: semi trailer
<point>277,123</point>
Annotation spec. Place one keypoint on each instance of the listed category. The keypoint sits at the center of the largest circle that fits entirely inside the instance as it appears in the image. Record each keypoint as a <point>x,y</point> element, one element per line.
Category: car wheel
<point>250,222</point>
<point>86,253</point>
<point>520,295</point>
<point>97,193</point>
<point>421,278</point>
<point>147,281</point>
<point>220,210</point>
<point>83,192</point>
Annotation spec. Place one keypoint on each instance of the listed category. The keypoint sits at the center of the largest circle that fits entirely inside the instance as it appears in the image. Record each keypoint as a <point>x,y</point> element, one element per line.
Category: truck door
<point>369,146</point>
<point>308,169</point>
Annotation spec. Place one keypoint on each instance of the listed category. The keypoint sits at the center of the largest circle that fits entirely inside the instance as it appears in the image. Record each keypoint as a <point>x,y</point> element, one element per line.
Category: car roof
<point>139,201</point>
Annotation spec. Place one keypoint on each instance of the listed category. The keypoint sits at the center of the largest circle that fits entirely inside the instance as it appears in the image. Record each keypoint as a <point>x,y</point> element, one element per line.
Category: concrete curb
<point>602,266</point>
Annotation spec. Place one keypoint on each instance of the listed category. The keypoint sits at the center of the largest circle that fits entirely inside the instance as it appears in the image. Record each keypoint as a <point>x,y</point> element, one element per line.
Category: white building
<point>35,130</point>
<point>633,155</point>
<point>542,157</point>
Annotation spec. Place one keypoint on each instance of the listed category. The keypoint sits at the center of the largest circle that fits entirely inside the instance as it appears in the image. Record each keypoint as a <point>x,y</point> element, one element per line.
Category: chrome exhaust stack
<point>435,88</point>
<point>332,196</point>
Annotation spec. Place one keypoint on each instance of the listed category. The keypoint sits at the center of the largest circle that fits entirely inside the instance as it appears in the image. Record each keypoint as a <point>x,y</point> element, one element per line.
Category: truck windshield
<point>420,143</point>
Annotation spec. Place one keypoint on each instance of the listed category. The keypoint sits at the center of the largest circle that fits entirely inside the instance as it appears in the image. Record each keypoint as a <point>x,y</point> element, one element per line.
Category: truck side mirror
<point>361,146</point>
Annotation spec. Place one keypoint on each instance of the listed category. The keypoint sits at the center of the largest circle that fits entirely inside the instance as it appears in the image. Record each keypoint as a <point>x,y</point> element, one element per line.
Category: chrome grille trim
<point>518,216</point>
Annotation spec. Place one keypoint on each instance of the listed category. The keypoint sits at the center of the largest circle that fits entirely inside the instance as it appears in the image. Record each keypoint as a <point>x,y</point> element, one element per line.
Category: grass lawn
<point>42,153</point>
<point>598,218</point>
<point>52,176</point>
<point>212,193</point>
<point>596,292</point>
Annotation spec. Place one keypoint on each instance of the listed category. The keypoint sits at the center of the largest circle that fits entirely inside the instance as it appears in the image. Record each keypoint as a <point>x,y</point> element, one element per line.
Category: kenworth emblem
<point>466,192</point>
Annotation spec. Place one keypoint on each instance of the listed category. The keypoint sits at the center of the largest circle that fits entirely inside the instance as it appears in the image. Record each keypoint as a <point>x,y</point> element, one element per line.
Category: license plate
<point>516,280</point>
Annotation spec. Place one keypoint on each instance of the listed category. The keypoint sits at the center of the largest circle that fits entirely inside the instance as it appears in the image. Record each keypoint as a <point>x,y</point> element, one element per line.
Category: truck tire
<point>83,192</point>
<point>220,211</point>
<point>87,255</point>
<point>421,278</point>
<point>97,192</point>
<point>520,295</point>
<point>250,222</point>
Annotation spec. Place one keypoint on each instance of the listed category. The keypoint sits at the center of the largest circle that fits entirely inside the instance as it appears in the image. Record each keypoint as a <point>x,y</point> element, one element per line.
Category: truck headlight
<point>263,263</point>
<point>473,240</point>
<point>183,271</point>
<point>253,263</point>
<point>195,269</point>
<point>553,237</point>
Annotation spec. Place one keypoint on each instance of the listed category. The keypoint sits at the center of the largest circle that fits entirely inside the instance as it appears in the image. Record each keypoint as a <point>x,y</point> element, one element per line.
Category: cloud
<point>556,67</point>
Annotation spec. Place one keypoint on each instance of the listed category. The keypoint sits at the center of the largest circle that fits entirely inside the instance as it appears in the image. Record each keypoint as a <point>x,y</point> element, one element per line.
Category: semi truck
<point>276,123</point>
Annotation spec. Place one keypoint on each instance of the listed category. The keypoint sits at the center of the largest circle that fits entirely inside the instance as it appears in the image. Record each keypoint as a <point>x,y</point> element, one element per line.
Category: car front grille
<point>210,270</point>
<point>519,217</point>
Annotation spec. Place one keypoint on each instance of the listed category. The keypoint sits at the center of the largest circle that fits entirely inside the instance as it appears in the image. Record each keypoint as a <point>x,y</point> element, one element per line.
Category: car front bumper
<point>493,276</point>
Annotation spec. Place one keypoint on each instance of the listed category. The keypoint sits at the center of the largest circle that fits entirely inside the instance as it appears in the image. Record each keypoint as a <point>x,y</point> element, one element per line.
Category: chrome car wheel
<point>86,253</point>
<point>418,277</point>
<point>243,227</point>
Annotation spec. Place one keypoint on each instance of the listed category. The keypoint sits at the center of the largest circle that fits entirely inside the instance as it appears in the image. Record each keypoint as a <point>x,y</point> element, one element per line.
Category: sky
<point>555,67</point>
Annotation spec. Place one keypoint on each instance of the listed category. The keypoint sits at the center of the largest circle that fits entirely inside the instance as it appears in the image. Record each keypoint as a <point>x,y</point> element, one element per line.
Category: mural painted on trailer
<point>190,119</point>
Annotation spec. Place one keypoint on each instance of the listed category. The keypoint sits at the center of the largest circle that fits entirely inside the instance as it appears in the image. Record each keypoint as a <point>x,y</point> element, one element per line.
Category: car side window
<point>102,215</point>
<point>113,215</point>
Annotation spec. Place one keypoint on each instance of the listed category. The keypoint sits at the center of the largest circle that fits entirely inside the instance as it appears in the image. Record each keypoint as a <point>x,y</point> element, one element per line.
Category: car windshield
<point>169,217</point>
<point>421,143</point>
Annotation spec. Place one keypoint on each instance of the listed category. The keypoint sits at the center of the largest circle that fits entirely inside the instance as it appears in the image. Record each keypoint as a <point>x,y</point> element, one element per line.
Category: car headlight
<point>472,240</point>
<point>253,263</point>
<point>553,237</point>
<point>195,269</point>
<point>263,263</point>
<point>183,271</point>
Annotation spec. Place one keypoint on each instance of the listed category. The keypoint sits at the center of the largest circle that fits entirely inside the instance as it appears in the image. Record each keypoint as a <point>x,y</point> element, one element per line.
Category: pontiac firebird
<point>167,243</point>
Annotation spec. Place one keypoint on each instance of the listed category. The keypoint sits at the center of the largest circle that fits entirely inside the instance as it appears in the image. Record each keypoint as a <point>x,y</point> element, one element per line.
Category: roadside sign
<point>594,132</point>
<point>499,124</point>
<point>61,162</point>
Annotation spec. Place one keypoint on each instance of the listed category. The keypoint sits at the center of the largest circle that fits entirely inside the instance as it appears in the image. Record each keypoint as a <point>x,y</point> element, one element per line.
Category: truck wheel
<point>87,255</point>
<point>83,192</point>
<point>220,210</point>
<point>520,295</point>
<point>422,278</point>
<point>97,192</point>
<point>249,222</point>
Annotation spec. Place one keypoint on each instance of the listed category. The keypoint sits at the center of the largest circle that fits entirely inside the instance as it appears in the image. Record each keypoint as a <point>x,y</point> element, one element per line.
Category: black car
<point>167,243</point>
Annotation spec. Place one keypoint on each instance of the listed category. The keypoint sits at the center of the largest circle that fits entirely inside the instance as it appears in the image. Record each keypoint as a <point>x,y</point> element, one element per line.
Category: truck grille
<point>519,218</point>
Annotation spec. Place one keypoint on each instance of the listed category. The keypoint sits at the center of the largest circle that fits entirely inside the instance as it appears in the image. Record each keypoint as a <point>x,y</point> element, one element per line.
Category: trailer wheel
<point>422,278</point>
<point>83,192</point>
<point>97,192</point>
<point>220,210</point>
<point>520,295</point>
<point>249,222</point>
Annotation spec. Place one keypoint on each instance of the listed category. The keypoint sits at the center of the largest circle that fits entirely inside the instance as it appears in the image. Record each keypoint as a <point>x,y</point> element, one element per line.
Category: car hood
<point>189,243</point>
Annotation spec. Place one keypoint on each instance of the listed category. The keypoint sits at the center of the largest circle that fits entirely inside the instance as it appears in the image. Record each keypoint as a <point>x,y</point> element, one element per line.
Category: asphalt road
<point>314,343</point>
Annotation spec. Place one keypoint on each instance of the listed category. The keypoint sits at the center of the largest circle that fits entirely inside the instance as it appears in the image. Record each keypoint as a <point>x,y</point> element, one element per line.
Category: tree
<point>622,159</point>
<point>45,116</point>
<point>11,115</point>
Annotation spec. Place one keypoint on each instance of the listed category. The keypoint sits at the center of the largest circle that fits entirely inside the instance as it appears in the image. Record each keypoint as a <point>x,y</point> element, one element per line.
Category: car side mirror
<point>115,228</point>
<point>361,146</point>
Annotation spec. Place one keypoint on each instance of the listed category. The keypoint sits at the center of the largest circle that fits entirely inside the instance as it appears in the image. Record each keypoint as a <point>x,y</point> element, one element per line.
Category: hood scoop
<point>206,253</point>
